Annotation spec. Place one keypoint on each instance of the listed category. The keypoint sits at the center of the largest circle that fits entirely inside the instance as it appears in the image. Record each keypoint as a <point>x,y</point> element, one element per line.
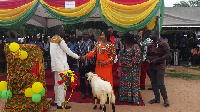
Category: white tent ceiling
<point>42,19</point>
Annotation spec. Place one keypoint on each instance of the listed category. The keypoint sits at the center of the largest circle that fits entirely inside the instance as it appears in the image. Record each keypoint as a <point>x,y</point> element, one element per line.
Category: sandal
<point>154,101</point>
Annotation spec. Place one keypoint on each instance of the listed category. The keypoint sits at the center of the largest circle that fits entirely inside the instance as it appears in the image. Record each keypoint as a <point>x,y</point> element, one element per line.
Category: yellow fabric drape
<point>124,15</point>
<point>75,12</point>
<point>151,25</point>
<point>10,14</point>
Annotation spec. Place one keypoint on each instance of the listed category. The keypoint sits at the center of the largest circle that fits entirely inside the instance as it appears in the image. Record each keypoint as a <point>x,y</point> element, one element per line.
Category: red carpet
<point>76,97</point>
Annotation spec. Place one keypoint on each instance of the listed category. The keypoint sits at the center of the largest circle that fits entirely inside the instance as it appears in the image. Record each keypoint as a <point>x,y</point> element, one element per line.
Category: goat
<point>101,90</point>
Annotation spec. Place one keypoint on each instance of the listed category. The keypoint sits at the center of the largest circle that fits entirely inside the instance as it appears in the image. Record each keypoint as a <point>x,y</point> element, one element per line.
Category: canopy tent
<point>43,19</point>
<point>127,15</point>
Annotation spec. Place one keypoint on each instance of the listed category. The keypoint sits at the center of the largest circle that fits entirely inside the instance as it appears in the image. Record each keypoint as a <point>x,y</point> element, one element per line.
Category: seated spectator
<point>195,55</point>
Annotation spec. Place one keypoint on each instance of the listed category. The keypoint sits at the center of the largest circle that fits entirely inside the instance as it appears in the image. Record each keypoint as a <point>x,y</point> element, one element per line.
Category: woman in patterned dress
<point>129,60</point>
<point>105,51</point>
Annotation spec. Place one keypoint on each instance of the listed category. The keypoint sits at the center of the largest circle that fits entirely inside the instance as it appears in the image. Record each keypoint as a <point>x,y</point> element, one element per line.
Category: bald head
<point>59,30</point>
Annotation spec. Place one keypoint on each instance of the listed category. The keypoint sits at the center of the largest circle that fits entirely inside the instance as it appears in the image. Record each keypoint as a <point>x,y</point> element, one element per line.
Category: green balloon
<point>36,97</point>
<point>0,94</point>
<point>6,94</point>
<point>42,93</point>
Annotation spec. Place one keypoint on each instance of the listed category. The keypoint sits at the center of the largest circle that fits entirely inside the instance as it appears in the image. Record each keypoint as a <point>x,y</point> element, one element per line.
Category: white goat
<point>101,90</point>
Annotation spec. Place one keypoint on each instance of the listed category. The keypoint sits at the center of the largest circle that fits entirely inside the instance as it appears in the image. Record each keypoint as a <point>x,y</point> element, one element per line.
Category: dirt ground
<point>184,96</point>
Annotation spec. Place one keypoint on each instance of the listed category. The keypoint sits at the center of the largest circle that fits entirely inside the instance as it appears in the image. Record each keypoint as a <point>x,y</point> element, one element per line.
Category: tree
<point>190,3</point>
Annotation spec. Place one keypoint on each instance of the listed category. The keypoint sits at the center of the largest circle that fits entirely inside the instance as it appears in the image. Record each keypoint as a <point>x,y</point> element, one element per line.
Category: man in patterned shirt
<point>83,47</point>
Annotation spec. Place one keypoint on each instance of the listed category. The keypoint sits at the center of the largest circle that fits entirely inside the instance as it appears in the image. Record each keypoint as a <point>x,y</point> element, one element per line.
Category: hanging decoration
<point>152,24</point>
<point>83,9</point>
<point>123,15</point>
<point>130,17</point>
<point>17,12</point>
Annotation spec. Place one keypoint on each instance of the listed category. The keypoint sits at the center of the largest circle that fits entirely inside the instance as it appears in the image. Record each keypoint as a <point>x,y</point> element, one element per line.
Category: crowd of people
<point>107,56</point>
<point>101,56</point>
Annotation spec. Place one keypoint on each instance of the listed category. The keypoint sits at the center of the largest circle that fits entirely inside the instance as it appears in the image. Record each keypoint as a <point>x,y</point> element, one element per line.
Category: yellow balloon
<point>14,47</point>
<point>37,87</point>
<point>28,92</point>
<point>3,85</point>
<point>23,55</point>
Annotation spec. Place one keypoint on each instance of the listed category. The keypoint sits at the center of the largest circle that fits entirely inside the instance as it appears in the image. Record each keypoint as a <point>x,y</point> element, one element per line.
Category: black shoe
<point>150,88</point>
<point>142,88</point>
<point>83,96</point>
<point>154,101</point>
<point>166,103</point>
<point>60,107</point>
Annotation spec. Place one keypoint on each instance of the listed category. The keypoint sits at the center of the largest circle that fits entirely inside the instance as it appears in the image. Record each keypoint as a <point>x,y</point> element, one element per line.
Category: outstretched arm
<point>65,48</point>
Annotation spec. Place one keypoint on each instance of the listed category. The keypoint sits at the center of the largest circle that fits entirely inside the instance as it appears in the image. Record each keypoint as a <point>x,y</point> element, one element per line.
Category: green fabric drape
<point>21,20</point>
<point>138,26</point>
<point>70,20</point>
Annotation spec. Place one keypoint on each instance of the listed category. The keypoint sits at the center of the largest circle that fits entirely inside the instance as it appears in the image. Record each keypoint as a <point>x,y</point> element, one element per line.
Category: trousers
<point>144,72</point>
<point>59,91</point>
<point>157,82</point>
<point>83,70</point>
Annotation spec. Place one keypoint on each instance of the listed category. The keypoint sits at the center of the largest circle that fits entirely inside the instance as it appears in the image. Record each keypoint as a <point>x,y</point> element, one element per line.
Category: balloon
<point>37,87</point>
<point>3,85</point>
<point>28,92</point>
<point>14,47</point>
<point>6,94</point>
<point>42,93</point>
<point>36,97</point>
<point>23,55</point>
<point>0,94</point>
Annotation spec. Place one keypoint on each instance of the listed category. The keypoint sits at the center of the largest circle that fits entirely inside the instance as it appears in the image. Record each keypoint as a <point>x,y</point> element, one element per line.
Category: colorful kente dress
<point>129,83</point>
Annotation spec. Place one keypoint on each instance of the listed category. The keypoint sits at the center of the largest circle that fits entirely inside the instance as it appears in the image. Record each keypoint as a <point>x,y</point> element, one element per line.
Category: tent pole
<point>46,28</point>
<point>159,16</point>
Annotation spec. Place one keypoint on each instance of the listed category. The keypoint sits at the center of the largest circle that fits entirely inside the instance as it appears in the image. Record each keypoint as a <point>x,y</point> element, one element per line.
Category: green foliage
<point>71,28</point>
<point>172,70</point>
<point>190,3</point>
<point>26,29</point>
<point>194,67</point>
<point>183,76</point>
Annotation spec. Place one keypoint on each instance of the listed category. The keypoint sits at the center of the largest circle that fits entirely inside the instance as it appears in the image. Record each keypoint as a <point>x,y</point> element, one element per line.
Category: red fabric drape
<point>129,2</point>
<point>11,4</point>
<point>35,70</point>
<point>143,32</point>
<point>61,3</point>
